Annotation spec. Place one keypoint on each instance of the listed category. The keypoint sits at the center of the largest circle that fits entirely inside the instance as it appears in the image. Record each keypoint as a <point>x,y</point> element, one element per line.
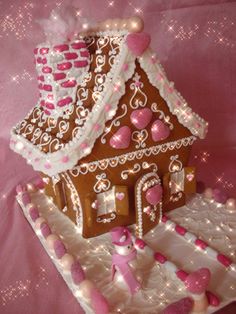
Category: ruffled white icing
<point>52,163</point>
<point>67,157</point>
<point>176,103</point>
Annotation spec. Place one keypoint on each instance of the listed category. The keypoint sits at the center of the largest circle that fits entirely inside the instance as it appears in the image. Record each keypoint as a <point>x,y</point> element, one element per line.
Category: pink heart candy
<point>140,118</point>
<point>183,306</point>
<point>197,281</point>
<point>120,196</point>
<point>138,43</point>
<point>154,194</point>
<point>121,139</point>
<point>160,131</point>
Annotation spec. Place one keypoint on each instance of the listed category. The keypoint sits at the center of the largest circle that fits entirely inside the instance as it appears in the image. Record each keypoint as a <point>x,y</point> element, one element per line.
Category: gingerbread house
<point>110,134</point>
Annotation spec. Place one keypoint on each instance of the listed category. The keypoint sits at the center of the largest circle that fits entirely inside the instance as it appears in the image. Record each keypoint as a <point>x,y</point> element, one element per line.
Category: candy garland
<point>200,244</point>
<point>142,246</point>
<point>87,289</point>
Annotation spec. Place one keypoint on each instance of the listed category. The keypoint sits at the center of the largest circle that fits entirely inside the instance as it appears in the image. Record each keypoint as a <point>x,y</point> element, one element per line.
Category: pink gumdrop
<point>159,130</point>
<point>26,198</point>
<point>140,118</point>
<point>219,196</point>
<point>160,258</point>
<point>121,139</point>
<point>164,218</point>
<point>138,42</point>
<point>98,302</point>
<point>200,243</point>
<point>183,306</point>
<point>34,213</point>
<point>213,300</point>
<point>38,222</point>
<point>51,239</point>
<point>45,230</point>
<point>154,194</point>
<point>181,274</point>
<point>59,248</point>
<point>197,281</point>
<point>77,273</point>
<point>67,261</point>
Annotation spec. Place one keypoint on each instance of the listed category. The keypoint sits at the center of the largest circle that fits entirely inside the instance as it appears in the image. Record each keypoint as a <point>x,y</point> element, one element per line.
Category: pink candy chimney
<point>124,256</point>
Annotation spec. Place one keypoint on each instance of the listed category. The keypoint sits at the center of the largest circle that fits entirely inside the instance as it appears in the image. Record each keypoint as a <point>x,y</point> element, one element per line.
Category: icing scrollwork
<point>162,116</point>
<point>115,122</point>
<point>102,184</point>
<point>140,137</point>
<point>139,98</point>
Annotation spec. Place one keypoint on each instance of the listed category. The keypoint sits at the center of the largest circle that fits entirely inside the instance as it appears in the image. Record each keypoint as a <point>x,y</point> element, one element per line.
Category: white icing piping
<point>138,154</point>
<point>176,103</point>
<point>52,163</point>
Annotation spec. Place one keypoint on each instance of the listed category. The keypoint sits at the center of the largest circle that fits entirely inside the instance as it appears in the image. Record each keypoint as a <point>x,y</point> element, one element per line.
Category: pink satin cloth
<point>122,263</point>
<point>195,40</point>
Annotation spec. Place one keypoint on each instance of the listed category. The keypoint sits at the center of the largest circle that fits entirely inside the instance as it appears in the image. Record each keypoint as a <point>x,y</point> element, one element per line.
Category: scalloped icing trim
<point>68,156</point>
<point>176,103</point>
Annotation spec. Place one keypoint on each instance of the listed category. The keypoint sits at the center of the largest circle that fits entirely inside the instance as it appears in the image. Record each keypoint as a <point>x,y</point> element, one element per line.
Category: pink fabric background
<point>196,42</point>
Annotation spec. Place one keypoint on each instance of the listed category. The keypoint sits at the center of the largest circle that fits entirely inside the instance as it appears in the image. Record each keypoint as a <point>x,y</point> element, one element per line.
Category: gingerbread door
<point>148,202</point>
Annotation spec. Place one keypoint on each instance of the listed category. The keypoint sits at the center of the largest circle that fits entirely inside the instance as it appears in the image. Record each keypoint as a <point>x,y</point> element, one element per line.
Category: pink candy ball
<point>208,193</point>
<point>67,260</point>
<point>51,239</point>
<point>219,196</point>
<point>86,287</point>
<point>230,204</point>
<point>38,222</point>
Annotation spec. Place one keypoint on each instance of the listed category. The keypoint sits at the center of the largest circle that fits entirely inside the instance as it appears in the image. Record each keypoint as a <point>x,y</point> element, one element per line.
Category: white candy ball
<point>38,222</point>
<point>208,193</point>
<point>231,204</point>
<point>51,240</point>
<point>85,287</point>
<point>135,24</point>
<point>67,260</point>
<point>30,187</point>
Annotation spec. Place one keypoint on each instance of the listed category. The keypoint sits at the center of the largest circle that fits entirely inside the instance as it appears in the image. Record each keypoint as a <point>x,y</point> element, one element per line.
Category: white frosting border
<point>54,163</point>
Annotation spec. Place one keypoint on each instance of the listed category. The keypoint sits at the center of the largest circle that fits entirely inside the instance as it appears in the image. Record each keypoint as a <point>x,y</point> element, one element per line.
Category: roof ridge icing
<point>122,70</point>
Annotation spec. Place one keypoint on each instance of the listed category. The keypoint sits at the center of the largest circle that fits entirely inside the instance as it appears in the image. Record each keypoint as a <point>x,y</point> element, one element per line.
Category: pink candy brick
<point>80,64</point>
<point>64,101</point>
<point>69,83</point>
<point>49,105</point>
<point>180,230</point>
<point>224,260</point>
<point>98,302</point>
<point>78,45</point>
<point>181,274</point>
<point>84,54</point>
<point>47,112</point>
<point>203,245</point>
<point>47,87</point>
<point>61,48</point>
<point>59,76</point>
<point>59,248</point>
<point>64,66</point>
<point>77,273</point>
<point>34,213</point>
<point>160,258</point>
<point>45,229</point>
<point>41,78</point>
<point>47,70</point>
<point>44,51</point>
<point>36,51</point>
<point>71,55</point>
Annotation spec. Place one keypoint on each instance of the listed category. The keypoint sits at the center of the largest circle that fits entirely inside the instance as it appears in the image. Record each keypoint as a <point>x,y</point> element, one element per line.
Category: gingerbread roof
<point>53,144</point>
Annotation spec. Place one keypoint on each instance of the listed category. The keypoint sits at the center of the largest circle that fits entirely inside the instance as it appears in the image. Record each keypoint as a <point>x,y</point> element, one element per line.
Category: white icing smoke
<point>63,24</point>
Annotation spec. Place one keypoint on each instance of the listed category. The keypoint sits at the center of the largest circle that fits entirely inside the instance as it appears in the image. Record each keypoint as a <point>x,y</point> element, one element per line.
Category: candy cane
<point>200,244</point>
